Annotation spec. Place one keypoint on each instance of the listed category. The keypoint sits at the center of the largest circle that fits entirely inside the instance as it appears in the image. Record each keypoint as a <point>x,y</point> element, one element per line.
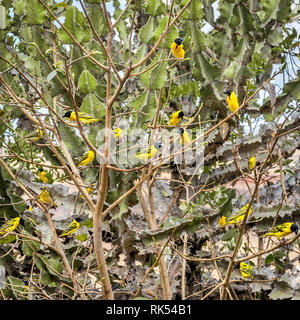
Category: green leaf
<point>2,17</point>
<point>19,7</point>
<point>53,265</point>
<point>195,10</point>
<point>74,143</point>
<point>158,76</point>
<point>15,286</point>
<point>87,82</point>
<point>269,259</point>
<point>81,237</point>
<point>229,234</point>
<point>146,31</point>
<point>121,26</point>
<point>158,31</point>
<point>73,23</point>
<point>93,106</point>
<point>198,38</point>
<point>8,239</point>
<point>152,6</point>
<point>29,246</point>
<point>35,13</point>
<point>226,208</point>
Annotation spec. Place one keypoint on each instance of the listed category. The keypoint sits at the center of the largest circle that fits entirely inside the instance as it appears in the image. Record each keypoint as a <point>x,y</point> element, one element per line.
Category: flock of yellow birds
<point>45,196</point>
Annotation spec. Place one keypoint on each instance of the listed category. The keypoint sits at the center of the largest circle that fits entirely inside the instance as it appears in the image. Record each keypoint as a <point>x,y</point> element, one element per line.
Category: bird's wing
<point>280,228</point>
<point>85,116</point>
<point>146,150</point>
<point>32,134</point>
<point>84,157</point>
<point>71,227</point>
<point>7,225</point>
<point>247,270</point>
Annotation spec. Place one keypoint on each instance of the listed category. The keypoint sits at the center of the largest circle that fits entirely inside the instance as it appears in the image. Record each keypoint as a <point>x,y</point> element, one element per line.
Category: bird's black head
<point>294,228</point>
<point>67,114</point>
<point>180,114</point>
<point>22,222</point>
<point>180,131</point>
<point>158,145</point>
<point>78,219</point>
<point>178,41</point>
<point>237,266</point>
<point>40,170</point>
<point>228,92</point>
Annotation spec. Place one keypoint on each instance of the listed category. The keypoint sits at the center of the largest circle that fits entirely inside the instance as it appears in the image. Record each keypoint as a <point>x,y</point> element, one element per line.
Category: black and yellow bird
<point>150,152</point>
<point>89,189</point>
<point>251,163</point>
<point>83,117</point>
<point>232,101</point>
<point>42,175</point>
<point>72,228</point>
<point>282,230</point>
<point>176,117</point>
<point>87,158</point>
<point>46,197</point>
<point>177,48</point>
<point>184,136</point>
<point>10,225</point>
<point>245,269</point>
<point>34,136</point>
<point>237,218</point>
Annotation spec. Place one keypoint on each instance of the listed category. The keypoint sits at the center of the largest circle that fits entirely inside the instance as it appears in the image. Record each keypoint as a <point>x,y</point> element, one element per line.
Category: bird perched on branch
<point>34,136</point>
<point>10,225</point>
<point>251,163</point>
<point>177,48</point>
<point>83,117</point>
<point>87,158</point>
<point>245,269</point>
<point>232,101</point>
<point>118,131</point>
<point>42,175</point>
<point>176,118</point>
<point>89,189</point>
<point>46,197</point>
<point>237,218</point>
<point>282,230</point>
<point>150,152</point>
<point>71,228</point>
<point>185,138</point>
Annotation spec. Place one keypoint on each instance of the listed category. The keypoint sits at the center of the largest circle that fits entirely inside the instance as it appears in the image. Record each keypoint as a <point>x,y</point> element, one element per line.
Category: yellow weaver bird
<point>118,131</point>
<point>34,136</point>
<point>245,269</point>
<point>42,175</point>
<point>282,230</point>
<point>46,197</point>
<point>177,48</point>
<point>29,208</point>
<point>176,117</point>
<point>83,117</point>
<point>150,152</point>
<point>89,189</point>
<point>10,225</point>
<point>237,218</point>
<point>185,138</point>
<point>87,158</point>
<point>71,228</point>
<point>251,163</point>
<point>232,101</point>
